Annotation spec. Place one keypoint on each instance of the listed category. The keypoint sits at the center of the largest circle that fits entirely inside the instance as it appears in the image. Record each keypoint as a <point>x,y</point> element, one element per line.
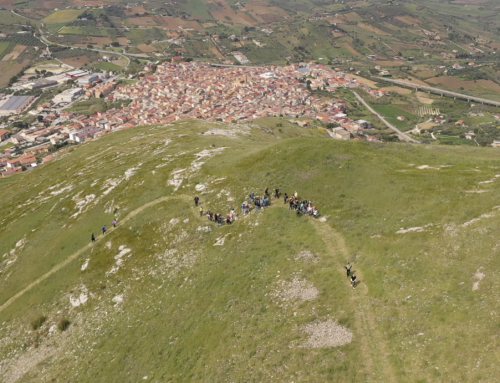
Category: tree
<point>115,44</point>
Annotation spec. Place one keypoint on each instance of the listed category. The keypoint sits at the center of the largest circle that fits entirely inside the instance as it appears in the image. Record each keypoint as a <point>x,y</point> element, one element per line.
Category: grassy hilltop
<point>169,297</point>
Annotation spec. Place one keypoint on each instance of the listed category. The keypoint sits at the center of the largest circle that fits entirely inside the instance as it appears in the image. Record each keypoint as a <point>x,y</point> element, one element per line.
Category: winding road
<point>399,132</point>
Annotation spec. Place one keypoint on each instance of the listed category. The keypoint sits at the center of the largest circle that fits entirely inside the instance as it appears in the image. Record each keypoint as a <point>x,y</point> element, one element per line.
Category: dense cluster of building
<point>198,90</point>
<point>182,91</point>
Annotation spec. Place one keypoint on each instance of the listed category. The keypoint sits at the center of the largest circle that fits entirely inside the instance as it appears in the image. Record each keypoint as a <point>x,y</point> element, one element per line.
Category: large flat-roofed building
<point>68,95</point>
<point>15,104</point>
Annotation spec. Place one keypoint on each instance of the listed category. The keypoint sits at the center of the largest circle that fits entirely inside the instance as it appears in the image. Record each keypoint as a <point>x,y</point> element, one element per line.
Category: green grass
<point>63,16</point>
<point>98,32</point>
<point>193,311</point>
<point>3,46</point>
<point>391,111</point>
<point>108,66</point>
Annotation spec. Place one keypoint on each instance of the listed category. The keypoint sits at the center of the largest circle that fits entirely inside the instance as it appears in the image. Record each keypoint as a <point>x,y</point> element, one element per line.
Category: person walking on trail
<point>277,193</point>
<point>104,230</point>
<point>252,196</point>
<point>285,198</point>
<point>93,238</point>
<point>353,281</point>
<point>201,212</point>
<point>296,195</point>
<point>348,267</point>
<point>196,200</point>
<point>266,192</point>
<point>243,208</point>
<point>114,222</point>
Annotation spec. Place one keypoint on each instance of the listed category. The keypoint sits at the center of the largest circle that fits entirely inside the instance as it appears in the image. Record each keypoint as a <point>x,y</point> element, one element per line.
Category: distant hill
<point>168,296</point>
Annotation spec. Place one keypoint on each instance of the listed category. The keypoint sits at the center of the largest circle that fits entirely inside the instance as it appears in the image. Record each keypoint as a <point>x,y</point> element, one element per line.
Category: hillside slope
<point>169,296</point>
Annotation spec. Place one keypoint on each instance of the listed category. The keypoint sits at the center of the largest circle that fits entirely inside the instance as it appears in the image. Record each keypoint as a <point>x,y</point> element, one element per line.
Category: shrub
<point>63,324</point>
<point>38,322</point>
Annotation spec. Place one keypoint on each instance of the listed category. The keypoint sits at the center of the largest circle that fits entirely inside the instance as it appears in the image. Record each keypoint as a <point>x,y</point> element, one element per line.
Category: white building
<point>69,95</point>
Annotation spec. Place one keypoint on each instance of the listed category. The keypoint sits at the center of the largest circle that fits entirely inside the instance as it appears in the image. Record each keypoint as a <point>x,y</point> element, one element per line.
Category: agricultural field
<point>3,47</point>
<point>63,16</point>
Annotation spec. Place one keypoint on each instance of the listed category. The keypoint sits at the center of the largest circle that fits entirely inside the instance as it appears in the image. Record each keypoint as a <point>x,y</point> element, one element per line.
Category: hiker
<point>277,193</point>
<point>93,237</point>
<point>243,208</point>
<point>252,196</point>
<point>233,214</point>
<point>196,199</point>
<point>264,201</point>
<point>296,195</point>
<point>257,204</point>
<point>353,281</point>
<point>291,205</point>
<point>315,212</point>
<point>104,230</point>
<point>228,219</point>
<point>266,192</point>
<point>285,197</point>
<point>348,267</point>
<point>201,212</point>
<point>114,222</point>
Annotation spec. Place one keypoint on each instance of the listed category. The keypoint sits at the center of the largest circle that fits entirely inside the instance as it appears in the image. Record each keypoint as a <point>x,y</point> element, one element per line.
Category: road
<point>48,42</point>
<point>439,91</point>
<point>399,132</point>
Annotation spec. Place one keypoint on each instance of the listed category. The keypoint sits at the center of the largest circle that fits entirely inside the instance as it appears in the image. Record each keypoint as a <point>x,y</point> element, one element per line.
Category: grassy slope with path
<point>193,311</point>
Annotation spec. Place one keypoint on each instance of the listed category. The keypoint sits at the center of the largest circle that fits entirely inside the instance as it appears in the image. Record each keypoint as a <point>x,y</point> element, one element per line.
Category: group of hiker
<point>104,229</point>
<point>258,202</point>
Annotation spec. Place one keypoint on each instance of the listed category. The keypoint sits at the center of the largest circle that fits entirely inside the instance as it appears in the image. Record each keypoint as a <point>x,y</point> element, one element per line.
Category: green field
<point>391,111</point>
<point>170,296</point>
<point>87,31</point>
<point>109,66</point>
<point>63,16</point>
<point>3,47</point>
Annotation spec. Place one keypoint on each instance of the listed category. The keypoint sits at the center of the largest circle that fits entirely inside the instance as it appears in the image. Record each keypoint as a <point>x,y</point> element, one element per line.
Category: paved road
<point>399,132</point>
<point>48,42</point>
<point>439,91</point>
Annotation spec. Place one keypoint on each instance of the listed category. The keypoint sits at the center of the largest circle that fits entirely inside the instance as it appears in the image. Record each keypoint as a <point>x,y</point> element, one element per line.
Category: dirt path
<point>372,342</point>
<point>76,254</point>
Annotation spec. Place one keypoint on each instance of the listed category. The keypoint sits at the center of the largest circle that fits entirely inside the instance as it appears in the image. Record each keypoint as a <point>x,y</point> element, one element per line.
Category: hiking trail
<point>77,253</point>
<point>372,342</point>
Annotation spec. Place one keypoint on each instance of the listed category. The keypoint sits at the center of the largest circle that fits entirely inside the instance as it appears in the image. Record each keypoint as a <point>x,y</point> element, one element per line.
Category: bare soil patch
<point>397,89</point>
<point>296,290</point>
<point>353,16</point>
<point>423,98</point>
<point>307,256</point>
<point>77,61</point>
<point>146,48</point>
<point>326,334</point>
<point>454,83</point>
<point>15,53</point>
<point>351,49</point>
<point>100,40</point>
<point>7,70</point>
